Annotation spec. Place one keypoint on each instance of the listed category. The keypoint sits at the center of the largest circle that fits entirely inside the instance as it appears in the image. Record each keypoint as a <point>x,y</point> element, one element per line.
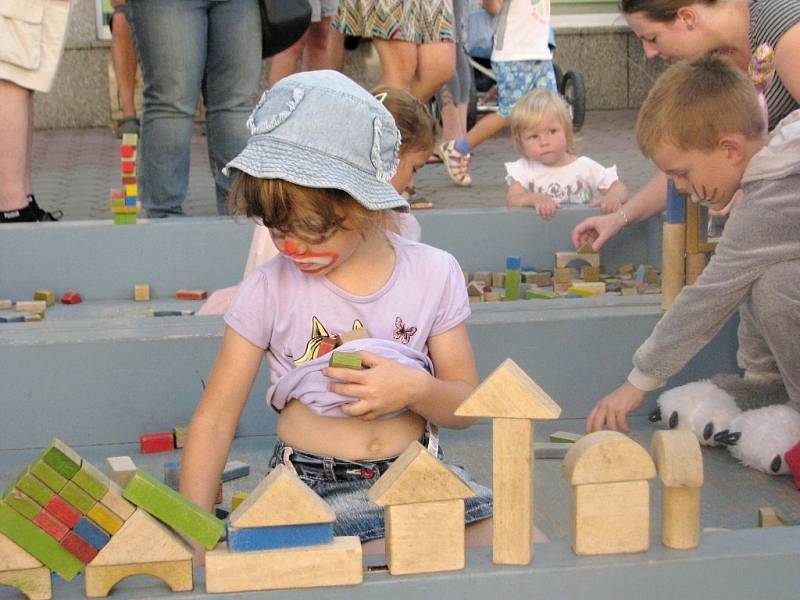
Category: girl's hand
<point>597,230</point>
<point>382,387</point>
<point>607,205</point>
<point>545,206</point>
<point>612,410</point>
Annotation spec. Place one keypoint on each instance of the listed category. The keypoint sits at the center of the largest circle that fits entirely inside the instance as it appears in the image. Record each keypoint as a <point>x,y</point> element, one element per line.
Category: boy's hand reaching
<point>382,387</point>
<point>612,410</point>
<point>597,230</point>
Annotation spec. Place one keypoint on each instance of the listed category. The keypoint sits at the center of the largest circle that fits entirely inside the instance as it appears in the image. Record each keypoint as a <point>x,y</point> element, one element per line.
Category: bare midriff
<point>348,437</point>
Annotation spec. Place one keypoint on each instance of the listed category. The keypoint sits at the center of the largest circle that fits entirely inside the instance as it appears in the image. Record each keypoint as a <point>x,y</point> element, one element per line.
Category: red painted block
<point>63,511</point>
<point>191,294</point>
<point>79,547</point>
<point>156,442</point>
<point>50,525</point>
<point>118,193</point>
<point>71,297</point>
<point>126,179</point>
<point>128,167</point>
<point>126,150</point>
<point>327,345</point>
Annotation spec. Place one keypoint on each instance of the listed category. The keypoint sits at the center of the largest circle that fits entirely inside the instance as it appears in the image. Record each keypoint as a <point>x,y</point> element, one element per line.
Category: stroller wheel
<point>575,95</point>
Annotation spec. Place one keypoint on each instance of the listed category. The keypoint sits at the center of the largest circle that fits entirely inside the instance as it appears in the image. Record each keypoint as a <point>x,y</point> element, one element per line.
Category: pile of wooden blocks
<point>125,201</point>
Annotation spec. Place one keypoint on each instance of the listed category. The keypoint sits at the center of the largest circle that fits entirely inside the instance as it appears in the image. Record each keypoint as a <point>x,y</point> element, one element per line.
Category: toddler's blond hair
<point>531,108</point>
<point>695,102</point>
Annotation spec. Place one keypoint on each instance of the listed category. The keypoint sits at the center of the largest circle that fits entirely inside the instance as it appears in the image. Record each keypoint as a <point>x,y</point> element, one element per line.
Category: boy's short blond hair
<point>531,108</point>
<point>695,102</point>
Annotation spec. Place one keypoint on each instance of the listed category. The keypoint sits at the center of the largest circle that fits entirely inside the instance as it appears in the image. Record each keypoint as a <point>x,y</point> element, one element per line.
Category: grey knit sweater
<point>763,230</point>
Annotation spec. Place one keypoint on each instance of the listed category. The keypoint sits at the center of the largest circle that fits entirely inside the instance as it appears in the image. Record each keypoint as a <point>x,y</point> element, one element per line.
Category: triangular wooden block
<point>417,476</point>
<point>281,499</point>
<point>12,557</point>
<point>142,539</point>
<point>585,248</point>
<point>509,392</point>
<point>606,457</point>
<point>678,459</point>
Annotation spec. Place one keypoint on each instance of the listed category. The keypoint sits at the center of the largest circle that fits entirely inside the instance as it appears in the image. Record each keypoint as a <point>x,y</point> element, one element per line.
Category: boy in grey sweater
<point>701,124</point>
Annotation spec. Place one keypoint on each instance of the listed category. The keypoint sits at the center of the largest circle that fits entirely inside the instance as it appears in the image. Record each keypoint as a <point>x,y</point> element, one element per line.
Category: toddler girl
<point>550,175</point>
<point>317,172</point>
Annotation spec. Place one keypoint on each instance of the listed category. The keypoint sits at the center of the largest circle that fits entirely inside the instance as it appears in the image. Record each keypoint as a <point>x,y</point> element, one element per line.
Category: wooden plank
<point>177,574</point>
<point>34,488</point>
<point>417,476</point>
<point>175,510</point>
<point>48,475</point>
<point>281,499</point>
<point>607,456</point>
<point>62,458</point>
<point>512,483</point>
<point>673,267</point>
<point>22,503</point>
<point>77,497</point>
<point>338,563</point>
<point>248,539</point>
<point>610,518</point>
<point>509,392</point>
<point>91,480</point>
<point>425,538</point>
<point>105,518</point>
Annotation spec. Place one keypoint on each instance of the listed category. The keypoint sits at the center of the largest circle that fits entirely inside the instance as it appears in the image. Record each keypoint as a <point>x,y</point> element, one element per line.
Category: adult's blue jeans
<point>189,47</point>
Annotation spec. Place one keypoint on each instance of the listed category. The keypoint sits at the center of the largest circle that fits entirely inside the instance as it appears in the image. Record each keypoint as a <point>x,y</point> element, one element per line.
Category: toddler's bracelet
<point>625,219</point>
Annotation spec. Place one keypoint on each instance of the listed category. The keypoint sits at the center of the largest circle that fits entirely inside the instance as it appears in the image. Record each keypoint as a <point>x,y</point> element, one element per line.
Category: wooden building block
<point>6,304</point>
<point>345,360</point>
<point>564,259</point>
<point>37,543</point>
<point>426,538</point>
<point>492,297</point>
<point>33,306</point>
<point>680,517</point>
<point>179,433</point>
<point>512,486</point>
<point>142,540</point>
<point>695,263</point>
<point>49,296</point>
<point>100,580</point>
<point>141,292</point>
<point>540,295</point>
<point>79,547</point>
<point>248,539</point>
<point>48,475</point>
<point>49,524</point>
<point>172,474</point>
<point>12,319</point>
<point>127,151</point>
<point>21,570</point>
<point>237,499</point>
<point>91,480</point>
<point>105,518</point>
<point>235,469</point>
<point>359,333</point>
<point>13,557</point>
<point>121,469</point>
<point>114,501</point>
<point>509,392</point>
<point>91,533</point>
<point>78,498</point>
<point>63,511</point>
<point>130,139</point>
<point>417,476</point>
<point>337,563</point>
<point>191,294</point>
<point>161,441</point>
<point>590,273</point>
<point>610,518</point>
<point>499,279</point>
<point>62,458</point>
<point>174,509</point>
<point>34,488</point>
<point>607,456</point>
<point>281,499</point>
<point>33,317</point>
<point>545,450</point>
<point>22,503</point>
<point>565,437</point>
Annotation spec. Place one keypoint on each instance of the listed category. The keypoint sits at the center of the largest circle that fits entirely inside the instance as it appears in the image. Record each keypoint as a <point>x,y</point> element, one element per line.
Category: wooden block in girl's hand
<point>345,360</point>
<point>175,510</point>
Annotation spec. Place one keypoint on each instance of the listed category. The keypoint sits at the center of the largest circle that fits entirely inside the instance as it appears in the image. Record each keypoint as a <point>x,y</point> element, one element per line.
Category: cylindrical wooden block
<point>680,517</point>
<point>695,263</point>
<point>673,272</point>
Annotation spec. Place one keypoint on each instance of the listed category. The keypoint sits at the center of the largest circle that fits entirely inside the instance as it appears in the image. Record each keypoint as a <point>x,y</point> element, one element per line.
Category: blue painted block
<point>172,474</point>
<point>235,469</point>
<point>248,539</point>
<point>513,262</point>
<point>676,205</point>
<point>12,319</point>
<point>131,200</point>
<point>91,533</point>
<point>173,313</point>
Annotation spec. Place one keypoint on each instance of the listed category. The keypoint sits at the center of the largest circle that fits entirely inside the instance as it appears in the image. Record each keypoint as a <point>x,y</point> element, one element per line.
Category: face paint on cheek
<point>290,247</point>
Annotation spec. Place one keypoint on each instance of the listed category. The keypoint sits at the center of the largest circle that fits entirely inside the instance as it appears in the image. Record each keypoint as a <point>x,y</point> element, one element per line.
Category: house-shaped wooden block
<point>21,570</point>
<point>513,400</point>
<point>610,514</point>
<point>143,546</point>
<point>679,462</point>
<point>424,513</point>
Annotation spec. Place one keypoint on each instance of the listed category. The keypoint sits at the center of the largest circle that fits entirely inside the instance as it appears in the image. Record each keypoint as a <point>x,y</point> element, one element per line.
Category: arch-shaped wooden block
<point>606,457</point>
<point>678,458</point>
<point>177,574</point>
<point>34,583</point>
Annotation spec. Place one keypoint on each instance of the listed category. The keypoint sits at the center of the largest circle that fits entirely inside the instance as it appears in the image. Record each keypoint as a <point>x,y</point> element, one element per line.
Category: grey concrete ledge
<point>570,24</point>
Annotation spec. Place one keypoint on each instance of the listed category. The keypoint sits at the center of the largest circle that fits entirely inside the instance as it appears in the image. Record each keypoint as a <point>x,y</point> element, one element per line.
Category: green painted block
<point>77,497</point>
<point>37,543</point>
<point>22,503</point>
<point>91,480</point>
<point>565,437</point>
<point>34,488</point>
<point>175,510</point>
<point>62,458</point>
<point>130,219</point>
<point>345,360</point>
<point>119,219</point>
<point>540,295</point>
<point>48,475</point>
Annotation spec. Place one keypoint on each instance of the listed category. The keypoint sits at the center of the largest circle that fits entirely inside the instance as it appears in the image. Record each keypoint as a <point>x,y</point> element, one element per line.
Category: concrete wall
<point>599,46</point>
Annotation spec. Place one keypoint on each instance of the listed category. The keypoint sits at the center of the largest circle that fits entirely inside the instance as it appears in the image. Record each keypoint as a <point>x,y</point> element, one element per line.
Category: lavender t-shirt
<point>287,313</point>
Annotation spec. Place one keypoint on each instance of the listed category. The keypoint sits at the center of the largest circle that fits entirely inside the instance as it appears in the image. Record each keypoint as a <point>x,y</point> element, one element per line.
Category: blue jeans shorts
<point>515,78</point>
<point>344,484</point>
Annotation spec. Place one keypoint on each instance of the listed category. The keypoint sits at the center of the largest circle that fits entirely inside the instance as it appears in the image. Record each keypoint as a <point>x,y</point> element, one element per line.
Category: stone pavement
<point>74,169</point>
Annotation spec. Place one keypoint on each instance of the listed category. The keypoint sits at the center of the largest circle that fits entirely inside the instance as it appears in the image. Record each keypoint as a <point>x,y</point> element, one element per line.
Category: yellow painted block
<point>237,499</point>
<point>141,292</point>
<point>49,296</point>
<point>105,518</point>
<point>131,190</point>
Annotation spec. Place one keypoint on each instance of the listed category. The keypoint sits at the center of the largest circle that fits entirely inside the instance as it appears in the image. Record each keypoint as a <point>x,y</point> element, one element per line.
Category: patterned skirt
<point>416,21</point>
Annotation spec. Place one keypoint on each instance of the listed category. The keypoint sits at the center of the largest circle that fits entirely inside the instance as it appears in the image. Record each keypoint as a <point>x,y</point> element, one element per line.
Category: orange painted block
<point>191,294</point>
<point>50,525</point>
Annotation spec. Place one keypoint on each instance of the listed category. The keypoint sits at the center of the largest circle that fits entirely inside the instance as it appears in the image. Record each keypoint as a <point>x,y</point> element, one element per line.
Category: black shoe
<point>30,214</point>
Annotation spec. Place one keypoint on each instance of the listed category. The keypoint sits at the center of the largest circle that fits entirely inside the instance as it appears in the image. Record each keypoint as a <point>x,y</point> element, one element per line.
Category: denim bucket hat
<point>320,129</point>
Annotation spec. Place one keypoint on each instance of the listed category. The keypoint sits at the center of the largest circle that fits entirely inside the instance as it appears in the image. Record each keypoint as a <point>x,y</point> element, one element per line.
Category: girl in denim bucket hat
<point>317,172</point>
